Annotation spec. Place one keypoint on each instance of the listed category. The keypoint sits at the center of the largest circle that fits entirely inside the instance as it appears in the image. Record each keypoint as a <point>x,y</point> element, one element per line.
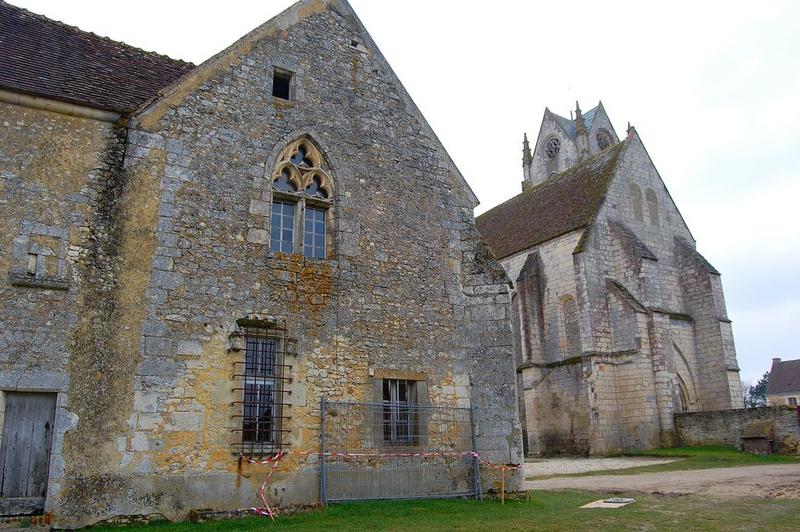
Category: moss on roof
<point>554,207</point>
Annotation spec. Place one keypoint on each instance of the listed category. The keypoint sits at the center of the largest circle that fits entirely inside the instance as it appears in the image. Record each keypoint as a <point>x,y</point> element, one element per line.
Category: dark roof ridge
<point>558,205</point>
<point>566,173</point>
<point>49,59</point>
<point>76,29</point>
<point>784,376</point>
<point>573,118</point>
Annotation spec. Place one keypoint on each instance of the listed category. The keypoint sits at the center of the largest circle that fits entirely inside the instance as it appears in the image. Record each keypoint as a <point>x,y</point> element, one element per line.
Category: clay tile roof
<point>784,377</point>
<point>43,57</point>
<point>556,206</point>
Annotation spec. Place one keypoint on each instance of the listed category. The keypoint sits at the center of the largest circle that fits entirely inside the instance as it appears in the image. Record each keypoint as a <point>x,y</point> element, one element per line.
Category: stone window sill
<point>38,282</point>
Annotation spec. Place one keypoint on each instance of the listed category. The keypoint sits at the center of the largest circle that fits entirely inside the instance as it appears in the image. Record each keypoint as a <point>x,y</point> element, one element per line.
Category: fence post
<point>476,465</point>
<point>323,484</point>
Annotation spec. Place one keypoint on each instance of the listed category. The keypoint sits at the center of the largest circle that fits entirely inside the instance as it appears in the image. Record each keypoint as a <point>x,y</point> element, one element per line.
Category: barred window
<point>262,377</point>
<point>400,412</point>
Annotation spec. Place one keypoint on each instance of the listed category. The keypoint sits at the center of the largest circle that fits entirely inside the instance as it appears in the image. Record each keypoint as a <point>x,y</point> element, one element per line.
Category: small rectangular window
<point>793,401</point>
<point>32,261</point>
<point>400,412</point>
<point>281,84</point>
<point>314,234</point>
<point>282,231</point>
<point>262,391</point>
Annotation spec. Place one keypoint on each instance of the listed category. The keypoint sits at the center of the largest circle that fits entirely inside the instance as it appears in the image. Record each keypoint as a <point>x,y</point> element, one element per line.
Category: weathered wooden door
<point>25,452</point>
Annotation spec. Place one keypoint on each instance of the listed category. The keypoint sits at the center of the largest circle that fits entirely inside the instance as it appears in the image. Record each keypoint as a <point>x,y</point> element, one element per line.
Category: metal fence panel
<point>391,451</point>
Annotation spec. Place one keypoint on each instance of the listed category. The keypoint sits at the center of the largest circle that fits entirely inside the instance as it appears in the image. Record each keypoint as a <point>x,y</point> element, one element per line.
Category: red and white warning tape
<point>273,462</point>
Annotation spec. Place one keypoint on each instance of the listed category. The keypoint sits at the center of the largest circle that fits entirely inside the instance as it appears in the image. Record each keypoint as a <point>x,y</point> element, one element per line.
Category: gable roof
<point>46,58</point>
<point>784,377</point>
<point>569,126</point>
<point>554,207</point>
<point>151,111</point>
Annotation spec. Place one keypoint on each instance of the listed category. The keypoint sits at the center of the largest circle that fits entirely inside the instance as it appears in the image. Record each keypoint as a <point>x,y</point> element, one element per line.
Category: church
<point>200,260</point>
<point>619,321</point>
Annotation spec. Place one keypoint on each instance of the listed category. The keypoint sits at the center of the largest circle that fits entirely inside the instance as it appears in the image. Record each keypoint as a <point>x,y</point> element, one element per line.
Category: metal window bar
<point>261,379</point>
<point>430,457</point>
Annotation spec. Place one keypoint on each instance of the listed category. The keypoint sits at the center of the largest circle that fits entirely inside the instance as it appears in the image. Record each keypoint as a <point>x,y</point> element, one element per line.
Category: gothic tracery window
<point>302,194</point>
<point>604,139</point>
<point>551,147</point>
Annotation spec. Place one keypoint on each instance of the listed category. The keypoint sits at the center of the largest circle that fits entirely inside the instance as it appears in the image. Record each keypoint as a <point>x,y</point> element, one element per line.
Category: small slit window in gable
<point>281,84</point>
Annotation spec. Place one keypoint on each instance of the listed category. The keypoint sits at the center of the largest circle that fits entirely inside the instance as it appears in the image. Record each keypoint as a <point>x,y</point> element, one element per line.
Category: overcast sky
<point>713,89</point>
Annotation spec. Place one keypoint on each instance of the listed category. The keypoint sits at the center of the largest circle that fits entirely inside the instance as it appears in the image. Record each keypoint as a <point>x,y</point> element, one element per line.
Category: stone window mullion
<point>299,221</point>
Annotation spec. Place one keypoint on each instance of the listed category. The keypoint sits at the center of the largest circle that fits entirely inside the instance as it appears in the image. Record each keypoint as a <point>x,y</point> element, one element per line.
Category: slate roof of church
<point>554,207</point>
<point>569,126</point>
<point>784,377</point>
<point>46,58</point>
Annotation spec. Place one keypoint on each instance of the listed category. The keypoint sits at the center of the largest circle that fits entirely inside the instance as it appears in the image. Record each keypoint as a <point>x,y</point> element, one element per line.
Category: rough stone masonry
<point>619,321</point>
<point>139,253</point>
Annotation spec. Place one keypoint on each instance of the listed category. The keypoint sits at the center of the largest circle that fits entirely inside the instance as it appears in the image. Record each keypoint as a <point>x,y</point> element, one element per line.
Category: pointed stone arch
<point>636,202</point>
<point>302,167</point>
<point>687,391</point>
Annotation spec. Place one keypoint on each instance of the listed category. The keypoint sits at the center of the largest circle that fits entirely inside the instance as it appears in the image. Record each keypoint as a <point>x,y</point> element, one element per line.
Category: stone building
<point>619,321</point>
<point>783,386</point>
<point>195,256</point>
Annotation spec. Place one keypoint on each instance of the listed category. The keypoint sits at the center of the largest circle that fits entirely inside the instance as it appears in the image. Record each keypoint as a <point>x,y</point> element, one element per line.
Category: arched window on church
<point>604,139</point>
<point>652,205</point>
<point>572,330</point>
<point>302,199</point>
<point>636,201</point>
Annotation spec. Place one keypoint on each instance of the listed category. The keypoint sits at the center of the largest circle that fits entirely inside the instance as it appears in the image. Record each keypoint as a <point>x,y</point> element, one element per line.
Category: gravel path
<point>566,466</point>
<point>772,481</point>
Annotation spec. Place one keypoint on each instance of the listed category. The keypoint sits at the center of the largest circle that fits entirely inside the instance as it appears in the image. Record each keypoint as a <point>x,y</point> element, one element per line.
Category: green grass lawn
<point>703,457</point>
<point>547,510</point>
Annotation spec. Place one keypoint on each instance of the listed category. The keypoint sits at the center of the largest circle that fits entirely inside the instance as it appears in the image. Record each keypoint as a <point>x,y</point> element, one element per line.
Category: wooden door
<point>25,452</point>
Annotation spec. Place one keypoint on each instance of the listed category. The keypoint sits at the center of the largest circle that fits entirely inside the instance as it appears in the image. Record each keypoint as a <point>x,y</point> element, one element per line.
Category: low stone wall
<point>726,427</point>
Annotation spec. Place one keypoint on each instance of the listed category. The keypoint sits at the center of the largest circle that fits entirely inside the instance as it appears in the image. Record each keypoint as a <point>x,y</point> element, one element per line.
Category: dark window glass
<point>314,190</point>
<point>300,157</point>
<point>282,233</point>
<point>283,184</point>
<point>314,233</point>
<point>280,84</point>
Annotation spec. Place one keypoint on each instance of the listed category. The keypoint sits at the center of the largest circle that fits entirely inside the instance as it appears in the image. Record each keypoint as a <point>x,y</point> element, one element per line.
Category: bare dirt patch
<point>570,466</point>
<point>767,481</point>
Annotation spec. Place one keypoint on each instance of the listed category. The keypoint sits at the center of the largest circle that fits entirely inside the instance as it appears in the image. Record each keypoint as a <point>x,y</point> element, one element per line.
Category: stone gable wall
<point>541,166</point>
<point>409,285</point>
